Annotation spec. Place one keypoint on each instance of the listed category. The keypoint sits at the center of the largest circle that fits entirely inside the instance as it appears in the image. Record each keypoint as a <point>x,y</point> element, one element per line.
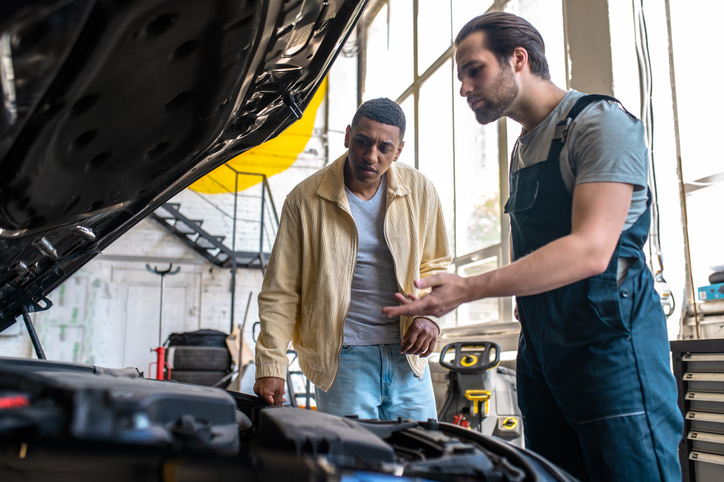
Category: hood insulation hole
<point>159,25</point>
<point>180,101</point>
<point>83,140</point>
<point>99,160</point>
<point>185,49</point>
<point>157,150</point>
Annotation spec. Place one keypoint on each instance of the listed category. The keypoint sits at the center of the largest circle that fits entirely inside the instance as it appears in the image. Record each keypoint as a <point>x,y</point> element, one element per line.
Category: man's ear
<point>346,137</point>
<point>519,59</point>
<point>399,150</point>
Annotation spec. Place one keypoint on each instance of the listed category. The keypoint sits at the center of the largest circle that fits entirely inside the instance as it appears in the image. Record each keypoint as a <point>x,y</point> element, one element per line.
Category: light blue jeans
<point>375,381</point>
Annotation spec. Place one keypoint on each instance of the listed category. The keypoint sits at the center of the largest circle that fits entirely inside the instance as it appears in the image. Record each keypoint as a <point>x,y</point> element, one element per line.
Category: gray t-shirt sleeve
<point>605,144</point>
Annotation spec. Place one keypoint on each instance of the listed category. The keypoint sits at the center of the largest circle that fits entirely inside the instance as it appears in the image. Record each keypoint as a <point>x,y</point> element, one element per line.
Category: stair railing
<point>274,220</point>
<point>230,256</point>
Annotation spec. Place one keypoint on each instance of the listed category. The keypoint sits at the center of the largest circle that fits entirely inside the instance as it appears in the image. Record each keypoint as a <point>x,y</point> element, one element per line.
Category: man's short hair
<point>504,33</point>
<point>384,111</point>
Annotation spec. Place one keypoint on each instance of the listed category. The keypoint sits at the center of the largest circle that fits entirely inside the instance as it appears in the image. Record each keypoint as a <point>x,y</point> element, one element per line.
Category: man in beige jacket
<point>351,236</point>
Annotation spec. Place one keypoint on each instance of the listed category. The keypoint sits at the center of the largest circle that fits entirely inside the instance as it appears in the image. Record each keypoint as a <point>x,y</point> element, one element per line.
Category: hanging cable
<point>656,262</point>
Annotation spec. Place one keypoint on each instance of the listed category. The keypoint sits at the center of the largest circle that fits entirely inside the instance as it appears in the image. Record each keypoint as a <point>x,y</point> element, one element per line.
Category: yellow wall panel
<point>270,158</point>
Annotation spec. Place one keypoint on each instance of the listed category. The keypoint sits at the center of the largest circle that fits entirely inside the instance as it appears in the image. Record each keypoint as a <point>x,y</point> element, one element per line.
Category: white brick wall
<point>86,323</point>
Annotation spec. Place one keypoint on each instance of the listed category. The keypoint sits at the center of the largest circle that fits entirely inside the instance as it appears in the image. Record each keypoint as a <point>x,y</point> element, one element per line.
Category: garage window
<point>408,55</point>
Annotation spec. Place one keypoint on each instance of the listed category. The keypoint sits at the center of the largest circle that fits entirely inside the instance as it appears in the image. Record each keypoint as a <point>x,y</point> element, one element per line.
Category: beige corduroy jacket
<point>306,290</point>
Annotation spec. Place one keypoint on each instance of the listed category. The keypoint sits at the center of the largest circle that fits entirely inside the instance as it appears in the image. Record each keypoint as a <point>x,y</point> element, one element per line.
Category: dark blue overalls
<point>594,381</point>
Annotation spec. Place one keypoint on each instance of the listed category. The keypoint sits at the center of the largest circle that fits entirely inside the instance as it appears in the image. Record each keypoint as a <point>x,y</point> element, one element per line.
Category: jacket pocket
<point>522,197</point>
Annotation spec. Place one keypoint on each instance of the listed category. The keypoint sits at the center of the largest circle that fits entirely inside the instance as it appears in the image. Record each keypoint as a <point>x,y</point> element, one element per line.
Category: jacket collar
<point>332,186</point>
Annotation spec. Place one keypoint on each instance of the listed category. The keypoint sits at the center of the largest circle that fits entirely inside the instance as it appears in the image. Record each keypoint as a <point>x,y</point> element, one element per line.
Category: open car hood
<point>111,107</point>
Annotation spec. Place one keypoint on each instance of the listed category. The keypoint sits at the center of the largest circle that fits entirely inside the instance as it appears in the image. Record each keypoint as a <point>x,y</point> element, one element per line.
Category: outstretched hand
<point>448,292</point>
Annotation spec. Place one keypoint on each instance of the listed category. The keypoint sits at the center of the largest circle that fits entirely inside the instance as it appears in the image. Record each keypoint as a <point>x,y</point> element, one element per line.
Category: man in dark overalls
<point>594,381</point>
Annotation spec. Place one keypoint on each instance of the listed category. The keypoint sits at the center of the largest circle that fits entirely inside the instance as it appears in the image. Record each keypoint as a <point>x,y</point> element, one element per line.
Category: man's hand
<point>271,390</point>
<point>448,292</point>
<point>420,338</point>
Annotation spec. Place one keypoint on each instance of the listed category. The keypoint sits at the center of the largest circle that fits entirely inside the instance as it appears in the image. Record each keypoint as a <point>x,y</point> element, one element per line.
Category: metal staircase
<point>255,230</point>
<point>210,246</point>
<point>240,216</point>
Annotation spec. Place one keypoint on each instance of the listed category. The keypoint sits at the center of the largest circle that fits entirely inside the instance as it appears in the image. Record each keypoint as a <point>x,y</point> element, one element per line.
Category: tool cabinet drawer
<point>699,371</point>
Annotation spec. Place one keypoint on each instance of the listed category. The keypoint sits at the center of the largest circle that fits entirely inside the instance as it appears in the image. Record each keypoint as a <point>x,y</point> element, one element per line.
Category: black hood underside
<point>113,106</point>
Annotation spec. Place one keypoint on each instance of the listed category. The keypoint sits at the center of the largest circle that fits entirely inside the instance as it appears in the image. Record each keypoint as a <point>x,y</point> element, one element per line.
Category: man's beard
<point>499,98</point>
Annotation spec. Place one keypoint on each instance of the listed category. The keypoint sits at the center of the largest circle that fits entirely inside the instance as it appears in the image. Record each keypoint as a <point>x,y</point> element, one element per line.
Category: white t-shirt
<point>374,283</point>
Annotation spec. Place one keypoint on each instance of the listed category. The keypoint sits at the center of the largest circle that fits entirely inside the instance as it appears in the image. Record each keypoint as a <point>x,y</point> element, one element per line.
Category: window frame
<point>501,250</point>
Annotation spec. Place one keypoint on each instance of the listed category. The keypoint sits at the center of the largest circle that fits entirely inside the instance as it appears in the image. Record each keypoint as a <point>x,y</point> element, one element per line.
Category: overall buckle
<point>561,131</point>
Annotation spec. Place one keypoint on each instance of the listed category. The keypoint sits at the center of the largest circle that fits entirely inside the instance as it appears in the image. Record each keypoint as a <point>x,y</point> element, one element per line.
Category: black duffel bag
<point>197,338</point>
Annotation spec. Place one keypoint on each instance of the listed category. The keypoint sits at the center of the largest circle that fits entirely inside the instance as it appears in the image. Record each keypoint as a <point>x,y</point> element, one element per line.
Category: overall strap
<point>561,132</point>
